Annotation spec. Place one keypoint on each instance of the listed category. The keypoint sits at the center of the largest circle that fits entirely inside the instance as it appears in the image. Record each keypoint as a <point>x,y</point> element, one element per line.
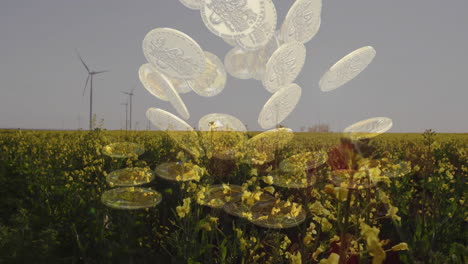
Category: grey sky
<point>418,77</point>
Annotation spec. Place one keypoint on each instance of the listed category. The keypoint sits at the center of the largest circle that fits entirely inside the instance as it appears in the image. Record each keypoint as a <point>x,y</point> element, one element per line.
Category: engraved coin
<point>213,80</point>
<point>181,86</point>
<point>173,53</point>
<point>347,68</point>
<point>152,81</point>
<point>284,66</point>
<point>237,63</point>
<point>369,128</point>
<point>263,33</point>
<point>179,171</point>
<point>220,122</point>
<point>279,106</point>
<point>302,21</point>
<point>192,4</point>
<point>234,18</point>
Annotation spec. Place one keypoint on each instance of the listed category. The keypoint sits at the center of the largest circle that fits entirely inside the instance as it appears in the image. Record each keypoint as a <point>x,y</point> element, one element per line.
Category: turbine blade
<point>98,72</point>
<point>84,64</point>
<point>124,92</point>
<point>86,84</point>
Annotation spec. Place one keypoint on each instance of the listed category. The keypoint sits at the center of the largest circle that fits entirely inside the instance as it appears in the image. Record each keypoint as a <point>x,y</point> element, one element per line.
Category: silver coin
<point>347,68</point>
<point>260,58</point>
<point>237,63</point>
<point>302,21</point>
<point>181,86</point>
<point>263,33</point>
<point>176,101</point>
<point>369,128</point>
<point>173,53</point>
<point>233,18</point>
<point>220,122</point>
<point>153,81</point>
<point>192,4</point>
<point>279,106</point>
<point>213,80</point>
<point>284,66</point>
<point>166,121</point>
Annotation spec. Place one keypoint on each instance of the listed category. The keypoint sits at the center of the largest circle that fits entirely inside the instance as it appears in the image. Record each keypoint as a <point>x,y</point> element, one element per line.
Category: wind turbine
<point>130,94</point>
<point>126,114</point>
<point>90,80</point>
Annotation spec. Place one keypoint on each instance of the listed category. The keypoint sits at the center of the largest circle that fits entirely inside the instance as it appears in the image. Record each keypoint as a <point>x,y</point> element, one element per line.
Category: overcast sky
<point>418,77</point>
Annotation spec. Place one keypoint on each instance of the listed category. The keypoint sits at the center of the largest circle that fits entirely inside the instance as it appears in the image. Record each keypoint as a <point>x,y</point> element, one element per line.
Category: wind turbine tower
<point>90,80</point>
<point>130,94</point>
<point>126,114</point>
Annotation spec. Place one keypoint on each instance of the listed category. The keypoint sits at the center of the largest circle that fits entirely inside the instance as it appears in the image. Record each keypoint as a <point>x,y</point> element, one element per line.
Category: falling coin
<point>284,66</point>
<point>123,150</point>
<point>347,68</point>
<point>263,33</point>
<point>174,53</point>
<point>279,106</point>
<point>192,4</point>
<point>152,81</point>
<point>237,63</point>
<point>213,80</point>
<point>130,177</point>
<point>302,21</point>
<point>216,196</point>
<point>232,19</point>
<point>369,128</point>
<point>179,171</point>
<point>181,132</point>
<point>269,142</point>
<point>220,122</point>
<point>131,198</point>
<point>277,215</point>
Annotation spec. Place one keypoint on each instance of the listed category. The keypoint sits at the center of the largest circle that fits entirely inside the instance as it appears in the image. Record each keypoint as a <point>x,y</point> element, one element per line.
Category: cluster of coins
<point>126,195</point>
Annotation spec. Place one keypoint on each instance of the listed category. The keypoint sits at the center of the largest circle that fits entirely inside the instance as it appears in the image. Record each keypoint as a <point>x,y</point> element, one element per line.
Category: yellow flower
<point>295,258</point>
<point>401,246</point>
<point>183,210</point>
<point>332,259</point>
<point>268,180</point>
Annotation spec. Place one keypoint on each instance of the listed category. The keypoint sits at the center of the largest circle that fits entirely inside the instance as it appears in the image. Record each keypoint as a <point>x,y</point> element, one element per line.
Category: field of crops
<point>397,198</point>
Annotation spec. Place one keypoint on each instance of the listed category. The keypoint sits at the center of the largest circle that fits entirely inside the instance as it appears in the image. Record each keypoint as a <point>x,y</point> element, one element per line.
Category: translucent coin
<point>174,97</point>
<point>237,63</point>
<point>220,122</point>
<point>213,80</point>
<point>181,132</point>
<point>351,179</point>
<point>174,53</point>
<point>179,171</point>
<point>263,33</point>
<point>264,145</point>
<point>279,106</point>
<point>369,128</point>
<point>216,196</point>
<point>130,177</point>
<point>260,57</point>
<point>130,198</point>
<point>241,206</point>
<point>277,215</point>
<point>304,161</point>
<point>302,21</point>
<point>181,86</point>
<point>192,4</point>
<point>231,42</point>
<point>288,179</point>
<point>284,66</point>
<point>232,19</point>
<point>123,150</point>
<point>347,68</point>
<point>152,81</point>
